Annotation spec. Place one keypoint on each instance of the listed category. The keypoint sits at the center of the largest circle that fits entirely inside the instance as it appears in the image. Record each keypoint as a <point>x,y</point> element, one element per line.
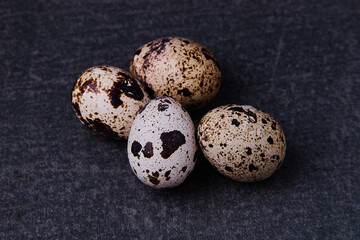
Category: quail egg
<point>162,144</point>
<point>107,99</point>
<point>178,68</point>
<point>242,142</point>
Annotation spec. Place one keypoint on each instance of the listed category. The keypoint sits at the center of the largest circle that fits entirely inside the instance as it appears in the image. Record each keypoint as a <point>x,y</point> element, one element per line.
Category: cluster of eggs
<point>148,106</point>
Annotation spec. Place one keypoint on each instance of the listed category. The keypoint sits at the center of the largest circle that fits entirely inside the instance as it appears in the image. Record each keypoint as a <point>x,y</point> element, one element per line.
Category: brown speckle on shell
<point>252,168</point>
<point>167,173</point>
<point>229,169</point>
<point>183,169</point>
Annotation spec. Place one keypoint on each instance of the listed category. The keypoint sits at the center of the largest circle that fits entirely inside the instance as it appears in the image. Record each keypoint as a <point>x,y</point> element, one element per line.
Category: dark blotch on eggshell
<point>252,167</point>
<point>89,85</point>
<point>252,116</point>
<point>153,180</point>
<point>237,109</point>
<point>235,122</point>
<point>114,96</point>
<point>185,92</point>
<point>156,174</point>
<point>159,45</point>
<point>136,148</point>
<point>167,173</point>
<point>126,85</point>
<point>171,141</point>
<point>101,127</point>
<point>162,107</point>
<point>148,150</point>
<point>146,63</point>
<point>229,169</point>
<point>137,52</point>
<point>273,125</point>
<point>130,87</point>
<point>248,151</point>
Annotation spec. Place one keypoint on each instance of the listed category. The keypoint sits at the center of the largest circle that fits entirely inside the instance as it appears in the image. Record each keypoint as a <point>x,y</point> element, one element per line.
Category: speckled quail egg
<point>179,68</point>
<point>162,144</point>
<point>242,142</point>
<point>107,99</point>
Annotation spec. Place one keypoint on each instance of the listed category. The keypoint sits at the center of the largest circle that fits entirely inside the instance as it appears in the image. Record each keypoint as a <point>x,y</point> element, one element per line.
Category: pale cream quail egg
<point>242,142</point>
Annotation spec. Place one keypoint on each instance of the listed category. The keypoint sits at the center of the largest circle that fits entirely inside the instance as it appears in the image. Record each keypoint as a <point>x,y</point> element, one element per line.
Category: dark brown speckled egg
<point>178,68</point>
<point>242,142</point>
<point>107,99</point>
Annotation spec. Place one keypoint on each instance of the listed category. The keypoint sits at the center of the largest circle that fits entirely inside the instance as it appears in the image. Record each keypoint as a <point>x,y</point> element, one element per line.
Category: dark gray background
<point>297,60</point>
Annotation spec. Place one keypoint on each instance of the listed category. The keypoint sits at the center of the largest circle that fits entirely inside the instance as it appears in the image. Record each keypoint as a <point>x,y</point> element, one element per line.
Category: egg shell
<point>107,99</point>
<point>242,142</point>
<point>162,144</point>
<point>179,68</point>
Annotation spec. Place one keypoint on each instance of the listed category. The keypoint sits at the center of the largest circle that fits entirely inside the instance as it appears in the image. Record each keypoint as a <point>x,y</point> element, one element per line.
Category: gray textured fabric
<point>297,60</point>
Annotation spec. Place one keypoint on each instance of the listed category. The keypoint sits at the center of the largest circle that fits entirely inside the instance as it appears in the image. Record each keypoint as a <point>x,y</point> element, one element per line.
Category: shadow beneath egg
<point>205,181</point>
